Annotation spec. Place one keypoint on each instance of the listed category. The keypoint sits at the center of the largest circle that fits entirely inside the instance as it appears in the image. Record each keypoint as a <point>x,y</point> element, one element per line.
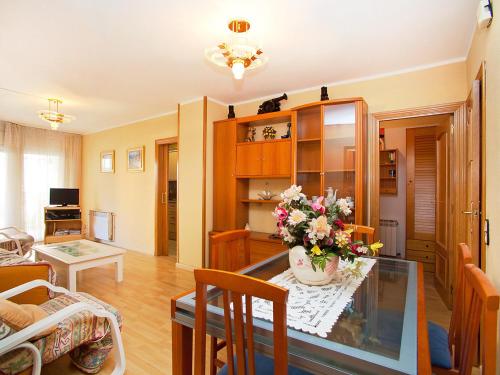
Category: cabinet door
<point>249,159</point>
<point>224,178</point>
<point>276,158</point>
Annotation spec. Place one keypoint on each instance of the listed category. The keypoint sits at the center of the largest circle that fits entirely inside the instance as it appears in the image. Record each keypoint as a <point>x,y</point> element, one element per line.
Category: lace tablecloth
<point>315,309</point>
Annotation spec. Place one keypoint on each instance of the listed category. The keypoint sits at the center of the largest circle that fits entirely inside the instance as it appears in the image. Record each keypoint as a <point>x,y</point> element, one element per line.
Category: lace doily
<point>314,309</point>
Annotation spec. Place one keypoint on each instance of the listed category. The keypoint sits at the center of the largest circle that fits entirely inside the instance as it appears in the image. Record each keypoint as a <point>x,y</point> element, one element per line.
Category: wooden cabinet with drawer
<point>422,251</point>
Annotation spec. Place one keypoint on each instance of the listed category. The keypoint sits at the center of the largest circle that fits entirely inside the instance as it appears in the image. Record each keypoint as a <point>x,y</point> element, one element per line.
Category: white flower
<point>319,228</point>
<point>296,217</point>
<point>292,194</point>
<point>344,206</point>
<point>362,249</point>
<point>285,234</point>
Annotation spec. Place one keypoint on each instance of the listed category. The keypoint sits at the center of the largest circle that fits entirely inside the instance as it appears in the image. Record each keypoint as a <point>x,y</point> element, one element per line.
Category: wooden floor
<point>144,300</point>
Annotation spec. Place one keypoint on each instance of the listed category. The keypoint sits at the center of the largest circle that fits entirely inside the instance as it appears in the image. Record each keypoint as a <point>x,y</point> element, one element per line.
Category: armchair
<point>86,328</point>
<point>16,240</point>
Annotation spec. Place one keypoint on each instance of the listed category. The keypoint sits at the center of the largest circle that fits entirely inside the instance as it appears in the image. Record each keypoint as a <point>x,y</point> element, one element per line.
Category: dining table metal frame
<point>323,356</point>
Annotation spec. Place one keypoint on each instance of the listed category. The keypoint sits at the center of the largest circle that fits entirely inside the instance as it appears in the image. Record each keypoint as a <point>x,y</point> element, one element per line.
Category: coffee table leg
<point>119,269</point>
<point>71,279</point>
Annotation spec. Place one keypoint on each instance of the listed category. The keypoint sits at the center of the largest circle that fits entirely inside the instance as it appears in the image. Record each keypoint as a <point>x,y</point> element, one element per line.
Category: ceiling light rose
<point>53,116</point>
<point>238,54</point>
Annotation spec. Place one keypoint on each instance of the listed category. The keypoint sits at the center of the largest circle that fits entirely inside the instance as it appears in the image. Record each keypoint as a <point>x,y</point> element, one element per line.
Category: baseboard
<point>184,266</point>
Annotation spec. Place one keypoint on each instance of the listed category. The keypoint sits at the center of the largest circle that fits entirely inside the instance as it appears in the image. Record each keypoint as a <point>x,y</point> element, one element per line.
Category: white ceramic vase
<point>301,266</point>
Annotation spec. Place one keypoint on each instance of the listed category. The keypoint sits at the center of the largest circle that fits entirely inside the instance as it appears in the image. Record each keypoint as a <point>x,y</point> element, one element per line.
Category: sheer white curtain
<point>32,161</point>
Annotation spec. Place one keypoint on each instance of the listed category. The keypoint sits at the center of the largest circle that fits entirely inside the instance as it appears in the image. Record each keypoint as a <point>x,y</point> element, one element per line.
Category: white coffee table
<point>79,255</point>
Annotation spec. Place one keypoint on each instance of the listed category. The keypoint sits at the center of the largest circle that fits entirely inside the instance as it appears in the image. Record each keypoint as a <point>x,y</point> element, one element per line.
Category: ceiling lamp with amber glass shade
<point>53,116</point>
<point>239,53</point>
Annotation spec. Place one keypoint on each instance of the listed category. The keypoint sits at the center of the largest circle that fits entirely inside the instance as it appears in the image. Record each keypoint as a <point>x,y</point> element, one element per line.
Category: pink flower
<point>280,213</point>
<point>317,206</point>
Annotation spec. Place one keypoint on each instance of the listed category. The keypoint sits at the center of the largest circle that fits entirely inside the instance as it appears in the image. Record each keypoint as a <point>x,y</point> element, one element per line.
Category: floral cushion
<point>85,336</point>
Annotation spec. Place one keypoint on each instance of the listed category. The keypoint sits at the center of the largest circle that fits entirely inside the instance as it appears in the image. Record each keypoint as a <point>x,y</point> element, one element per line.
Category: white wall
<point>394,206</point>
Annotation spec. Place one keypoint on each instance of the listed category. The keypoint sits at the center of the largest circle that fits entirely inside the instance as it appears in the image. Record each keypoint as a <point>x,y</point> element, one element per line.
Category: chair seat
<point>438,344</point>
<point>265,365</point>
<point>86,336</point>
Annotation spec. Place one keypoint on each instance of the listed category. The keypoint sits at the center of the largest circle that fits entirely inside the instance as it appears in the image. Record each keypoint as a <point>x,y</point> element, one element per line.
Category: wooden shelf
<point>309,140</point>
<point>271,177</point>
<point>309,171</point>
<point>388,162</point>
<point>53,221</point>
<point>65,238</point>
<point>388,178</point>
<point>259,201</point>
<point>340,171</point>
<point>388,165</point>
<point>266,118</point>
<point>277,140</point>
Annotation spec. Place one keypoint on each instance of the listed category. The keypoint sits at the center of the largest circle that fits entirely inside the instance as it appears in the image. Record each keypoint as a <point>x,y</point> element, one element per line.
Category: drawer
<point>420,256</point>
<point>421,245</point>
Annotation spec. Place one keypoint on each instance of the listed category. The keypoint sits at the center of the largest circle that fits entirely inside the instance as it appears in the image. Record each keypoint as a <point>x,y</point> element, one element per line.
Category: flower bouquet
<point>316,236</point>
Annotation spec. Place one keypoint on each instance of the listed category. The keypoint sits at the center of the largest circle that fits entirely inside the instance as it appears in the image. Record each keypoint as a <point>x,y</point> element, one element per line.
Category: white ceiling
<point>117,61</point>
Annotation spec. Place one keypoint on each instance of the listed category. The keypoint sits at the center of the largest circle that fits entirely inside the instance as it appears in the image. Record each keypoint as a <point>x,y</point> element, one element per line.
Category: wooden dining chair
<point>229,251</point>
<point>482,302</point>
<point>360,230</point>
<point>235,288</point>
<point>442,344</point>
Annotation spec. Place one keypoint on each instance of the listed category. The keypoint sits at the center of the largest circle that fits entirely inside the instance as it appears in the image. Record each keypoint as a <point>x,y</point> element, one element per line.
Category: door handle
<point>468,212</point>
<point>163,198</point>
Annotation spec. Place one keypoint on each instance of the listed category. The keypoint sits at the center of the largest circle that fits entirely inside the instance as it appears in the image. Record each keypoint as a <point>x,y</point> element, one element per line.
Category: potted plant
<point>316,236</point>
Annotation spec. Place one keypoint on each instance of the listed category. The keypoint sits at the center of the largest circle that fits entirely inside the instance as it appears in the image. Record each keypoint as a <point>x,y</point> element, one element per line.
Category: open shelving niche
<point>260,211</point>
<point>389,172</point>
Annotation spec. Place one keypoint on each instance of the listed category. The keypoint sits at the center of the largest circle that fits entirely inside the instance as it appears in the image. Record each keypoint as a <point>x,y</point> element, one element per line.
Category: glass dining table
<point>383,330</point>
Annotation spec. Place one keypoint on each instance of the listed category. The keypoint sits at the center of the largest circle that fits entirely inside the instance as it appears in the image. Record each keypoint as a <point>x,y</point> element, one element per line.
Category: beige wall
<point>436,85</point>
<point>190,181</point>
<point>130,195</point>
<point>486,46</point>
<point>215,112</point>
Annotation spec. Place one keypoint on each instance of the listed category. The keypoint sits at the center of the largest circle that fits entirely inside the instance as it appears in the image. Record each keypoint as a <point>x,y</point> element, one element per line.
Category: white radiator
<point>389,237</point>
<point>101,225</point>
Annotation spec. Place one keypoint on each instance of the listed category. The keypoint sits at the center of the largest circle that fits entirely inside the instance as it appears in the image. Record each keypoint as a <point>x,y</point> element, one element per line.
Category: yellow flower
<point>349,231</point>
<point>316,250</point>
<point>376,246</point>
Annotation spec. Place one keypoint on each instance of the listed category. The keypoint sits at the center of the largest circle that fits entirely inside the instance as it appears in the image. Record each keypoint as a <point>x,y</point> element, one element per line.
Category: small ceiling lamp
<point>53,116</point>
<point>238,54</point>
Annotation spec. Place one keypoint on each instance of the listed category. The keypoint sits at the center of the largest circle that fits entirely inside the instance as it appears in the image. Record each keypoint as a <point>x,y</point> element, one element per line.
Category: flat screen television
<point>64,197</point>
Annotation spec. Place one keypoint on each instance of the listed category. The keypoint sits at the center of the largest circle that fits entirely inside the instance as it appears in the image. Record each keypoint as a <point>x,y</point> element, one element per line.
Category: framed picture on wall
<point>135,159</point>
<point>108,161</point>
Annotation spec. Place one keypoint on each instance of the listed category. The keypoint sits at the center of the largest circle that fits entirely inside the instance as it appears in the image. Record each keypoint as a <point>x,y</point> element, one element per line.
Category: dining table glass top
<point>376,332</point>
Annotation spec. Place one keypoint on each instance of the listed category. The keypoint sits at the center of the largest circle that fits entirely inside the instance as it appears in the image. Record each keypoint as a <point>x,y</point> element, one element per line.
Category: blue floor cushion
<point>438,344</point>
<point>263,366</point>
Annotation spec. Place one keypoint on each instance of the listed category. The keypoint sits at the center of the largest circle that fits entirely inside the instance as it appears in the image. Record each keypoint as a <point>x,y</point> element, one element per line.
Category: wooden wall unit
<point>388,179</point>
<point>327,148</point>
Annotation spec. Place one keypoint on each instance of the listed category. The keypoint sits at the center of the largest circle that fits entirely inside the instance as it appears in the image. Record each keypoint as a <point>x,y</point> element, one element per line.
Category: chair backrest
<point>230,251</point>
<point>464,257</point>
<point>482,301</point>
<point>235,287</point>
<point>360,230</point>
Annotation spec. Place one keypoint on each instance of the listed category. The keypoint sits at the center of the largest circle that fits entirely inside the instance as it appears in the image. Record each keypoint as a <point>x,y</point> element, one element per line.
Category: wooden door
<point>472,214</point>
<point>276,158</point>
<point>162,199</point>
<point>224,175</point>
<point>249,159</point>
<point>442,207</point>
